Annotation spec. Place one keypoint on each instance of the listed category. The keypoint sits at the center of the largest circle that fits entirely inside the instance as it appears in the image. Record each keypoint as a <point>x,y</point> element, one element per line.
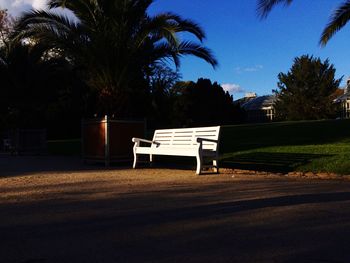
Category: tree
<point>6,27</point>
<point>337,21</point>
<point>203,103</point>
<point>305,92</point>
<point>115,44</point>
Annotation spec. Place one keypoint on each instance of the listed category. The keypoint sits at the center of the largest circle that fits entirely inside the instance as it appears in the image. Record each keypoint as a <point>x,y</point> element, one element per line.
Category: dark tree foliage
<point>162,81</point>
<point>203,103</point>
<point>37,89</point>
<point>305,92</point>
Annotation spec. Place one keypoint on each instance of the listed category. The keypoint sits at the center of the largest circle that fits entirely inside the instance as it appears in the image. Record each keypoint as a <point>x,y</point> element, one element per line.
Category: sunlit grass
<point>322,146</point>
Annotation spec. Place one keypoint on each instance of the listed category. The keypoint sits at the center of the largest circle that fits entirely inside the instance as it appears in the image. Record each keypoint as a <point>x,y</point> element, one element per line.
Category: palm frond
<point>52,30</point>
<point>158,29</point>
<point>338,20</point>
<point>137,7</point>
<point>183,25</point>
<point>57,3</point>
<point>190,48</point>
<point>265,6</point>
<point>41,17</point>
<point>164,52</point>
<point>80,8</point>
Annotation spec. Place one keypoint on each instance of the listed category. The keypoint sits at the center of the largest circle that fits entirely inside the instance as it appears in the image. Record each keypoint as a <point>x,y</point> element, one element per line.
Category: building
<point>344,101</point>
<point>259,108</point>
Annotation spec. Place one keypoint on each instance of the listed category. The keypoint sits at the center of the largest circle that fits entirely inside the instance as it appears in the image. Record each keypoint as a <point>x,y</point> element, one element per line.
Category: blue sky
<point>251,52</point>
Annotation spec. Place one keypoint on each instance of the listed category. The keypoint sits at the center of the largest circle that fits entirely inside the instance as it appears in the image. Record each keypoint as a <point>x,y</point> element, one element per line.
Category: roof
<point>243,100</point>
<point>259,102</point>
<point>343,97</point>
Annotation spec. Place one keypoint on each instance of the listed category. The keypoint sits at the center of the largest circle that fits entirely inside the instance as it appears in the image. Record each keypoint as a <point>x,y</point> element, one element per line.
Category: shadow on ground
<point>216,222</point>
<point>269,162</point>
<point>14,165</point>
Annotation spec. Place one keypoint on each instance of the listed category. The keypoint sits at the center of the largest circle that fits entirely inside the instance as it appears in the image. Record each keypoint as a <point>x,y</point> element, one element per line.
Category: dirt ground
<point>59,210</point>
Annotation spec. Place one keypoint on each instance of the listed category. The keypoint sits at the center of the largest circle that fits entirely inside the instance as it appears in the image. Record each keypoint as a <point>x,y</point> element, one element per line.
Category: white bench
<point>193,142</point>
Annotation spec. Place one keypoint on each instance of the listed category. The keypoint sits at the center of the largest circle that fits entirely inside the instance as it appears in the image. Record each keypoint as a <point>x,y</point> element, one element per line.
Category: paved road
<point>144,216</point>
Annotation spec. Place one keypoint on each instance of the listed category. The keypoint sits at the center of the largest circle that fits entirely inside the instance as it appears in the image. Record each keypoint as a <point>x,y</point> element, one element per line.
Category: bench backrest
<point>187,137</point>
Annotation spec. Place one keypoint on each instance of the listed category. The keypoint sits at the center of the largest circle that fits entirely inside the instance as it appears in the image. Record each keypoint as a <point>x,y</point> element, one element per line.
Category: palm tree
<point>115,44</point>
<point>337,21</point>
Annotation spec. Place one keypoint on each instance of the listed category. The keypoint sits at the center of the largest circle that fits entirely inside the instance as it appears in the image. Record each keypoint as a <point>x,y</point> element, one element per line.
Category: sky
<point>251,52</point>
<point>15,7</point>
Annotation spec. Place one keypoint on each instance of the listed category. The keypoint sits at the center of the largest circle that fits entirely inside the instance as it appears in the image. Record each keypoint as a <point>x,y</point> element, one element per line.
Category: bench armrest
<point>206,140</point>
<point>143,140</point>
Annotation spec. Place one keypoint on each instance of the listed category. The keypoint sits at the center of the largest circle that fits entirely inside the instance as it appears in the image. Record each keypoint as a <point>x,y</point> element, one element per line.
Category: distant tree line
<point>190,104</point>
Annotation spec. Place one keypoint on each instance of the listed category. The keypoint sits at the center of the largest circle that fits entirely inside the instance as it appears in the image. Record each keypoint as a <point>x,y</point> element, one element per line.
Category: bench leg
<point>215,165</point>
<point>151,160</point>
<point>135,160</point>
<point>199,164</point>
<point>137,144</point>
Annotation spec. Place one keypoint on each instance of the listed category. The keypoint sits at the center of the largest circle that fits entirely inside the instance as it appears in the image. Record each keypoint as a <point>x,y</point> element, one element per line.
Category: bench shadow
<point>256,161</point>
<point>269,162</point>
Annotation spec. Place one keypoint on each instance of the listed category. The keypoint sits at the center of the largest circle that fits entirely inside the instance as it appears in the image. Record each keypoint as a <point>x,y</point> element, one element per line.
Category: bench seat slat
<point>180,151</point>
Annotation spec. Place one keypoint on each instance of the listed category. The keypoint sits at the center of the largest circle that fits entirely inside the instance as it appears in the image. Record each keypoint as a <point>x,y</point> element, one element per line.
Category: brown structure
<point>106,140</point>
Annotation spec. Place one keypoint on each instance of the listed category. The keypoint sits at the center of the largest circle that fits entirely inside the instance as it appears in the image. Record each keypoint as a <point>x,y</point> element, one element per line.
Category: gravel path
<point>57,210</point>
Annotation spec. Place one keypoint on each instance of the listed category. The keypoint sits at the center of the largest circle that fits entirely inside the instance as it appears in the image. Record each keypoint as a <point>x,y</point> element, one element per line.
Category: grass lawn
<point>316,146</point>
